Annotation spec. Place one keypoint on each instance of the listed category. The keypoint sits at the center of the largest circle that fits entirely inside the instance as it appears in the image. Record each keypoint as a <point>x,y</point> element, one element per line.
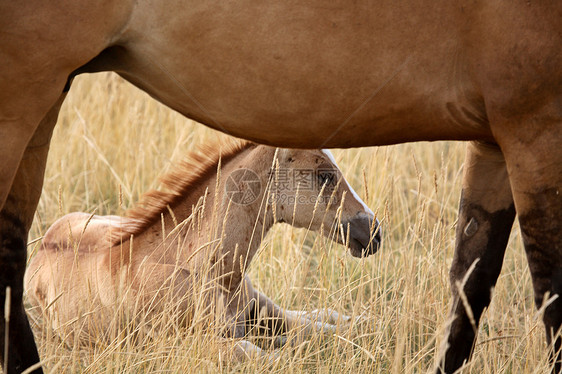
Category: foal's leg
<point>485,219</point>
<point>327,315</point>
<point>242,350</point>
<point>278,320</point>
<point>15,220</point>
<point>534,160</point>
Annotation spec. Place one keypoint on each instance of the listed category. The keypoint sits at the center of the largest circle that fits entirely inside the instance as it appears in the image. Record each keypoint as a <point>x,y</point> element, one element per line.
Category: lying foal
<point>192,245</point>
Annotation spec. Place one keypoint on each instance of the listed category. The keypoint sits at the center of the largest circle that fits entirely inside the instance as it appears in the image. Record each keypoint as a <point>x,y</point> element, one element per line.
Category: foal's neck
<point>216,231</point>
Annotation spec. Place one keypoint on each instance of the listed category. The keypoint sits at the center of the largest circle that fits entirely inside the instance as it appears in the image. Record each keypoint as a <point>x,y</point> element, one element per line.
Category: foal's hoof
<point>332,317</point>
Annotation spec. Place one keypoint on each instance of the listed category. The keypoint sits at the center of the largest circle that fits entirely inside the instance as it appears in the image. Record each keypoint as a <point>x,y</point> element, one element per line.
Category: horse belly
<point>309,75</point>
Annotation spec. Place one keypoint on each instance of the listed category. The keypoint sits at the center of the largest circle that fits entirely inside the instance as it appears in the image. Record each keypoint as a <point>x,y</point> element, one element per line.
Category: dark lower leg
<point>13,254</point>
<point>553,324</point>
<point>534,165</point>
<point>14,226</point>
<point>16,217</point>
<point>544,252</point>
<point>485,219</point>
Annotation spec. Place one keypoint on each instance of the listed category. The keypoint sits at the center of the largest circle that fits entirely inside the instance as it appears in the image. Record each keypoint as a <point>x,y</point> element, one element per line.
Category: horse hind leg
<point>534,160</point>
<point>16,217</point>
<point>485,219</point>
<point>542,230</point>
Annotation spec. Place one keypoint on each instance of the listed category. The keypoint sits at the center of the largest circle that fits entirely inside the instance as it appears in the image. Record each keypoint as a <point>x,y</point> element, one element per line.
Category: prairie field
<point>112,142</point>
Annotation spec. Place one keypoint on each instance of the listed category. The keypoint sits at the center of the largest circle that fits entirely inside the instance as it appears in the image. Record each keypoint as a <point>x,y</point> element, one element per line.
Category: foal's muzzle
<point>362,235</point>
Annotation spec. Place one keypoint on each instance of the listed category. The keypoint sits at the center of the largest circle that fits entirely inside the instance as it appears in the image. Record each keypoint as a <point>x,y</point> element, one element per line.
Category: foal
<point>189,248</point>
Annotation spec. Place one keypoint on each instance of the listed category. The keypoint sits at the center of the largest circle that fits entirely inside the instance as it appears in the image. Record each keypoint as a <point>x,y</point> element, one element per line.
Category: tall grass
<point>111,143</point>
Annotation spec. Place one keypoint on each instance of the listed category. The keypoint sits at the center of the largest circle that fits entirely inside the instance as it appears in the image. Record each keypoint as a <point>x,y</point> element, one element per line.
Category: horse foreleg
<point>534,161</point>
<point>485,219</point>
<point>16,217</point>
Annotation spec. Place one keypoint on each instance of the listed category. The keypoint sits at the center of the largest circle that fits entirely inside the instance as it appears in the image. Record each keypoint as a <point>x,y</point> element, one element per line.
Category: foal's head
<point>308,190</point>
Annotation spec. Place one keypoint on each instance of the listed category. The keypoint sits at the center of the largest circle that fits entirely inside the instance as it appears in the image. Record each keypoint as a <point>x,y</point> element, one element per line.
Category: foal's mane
<point>197,166</point>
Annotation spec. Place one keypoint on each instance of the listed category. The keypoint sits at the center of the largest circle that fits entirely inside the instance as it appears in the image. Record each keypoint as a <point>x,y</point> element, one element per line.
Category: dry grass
<point>111,143</point>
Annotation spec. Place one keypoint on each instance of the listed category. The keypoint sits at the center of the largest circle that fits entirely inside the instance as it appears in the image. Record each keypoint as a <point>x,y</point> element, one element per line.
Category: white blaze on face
<point>353,193</point>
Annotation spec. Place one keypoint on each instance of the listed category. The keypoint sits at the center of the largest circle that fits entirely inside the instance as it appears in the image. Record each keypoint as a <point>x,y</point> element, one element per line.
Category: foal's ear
<point>284,155</point>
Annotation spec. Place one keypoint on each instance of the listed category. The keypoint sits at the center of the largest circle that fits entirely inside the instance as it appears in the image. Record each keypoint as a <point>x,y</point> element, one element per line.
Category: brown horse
<point>192,245</point>
<point>315,74</point>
